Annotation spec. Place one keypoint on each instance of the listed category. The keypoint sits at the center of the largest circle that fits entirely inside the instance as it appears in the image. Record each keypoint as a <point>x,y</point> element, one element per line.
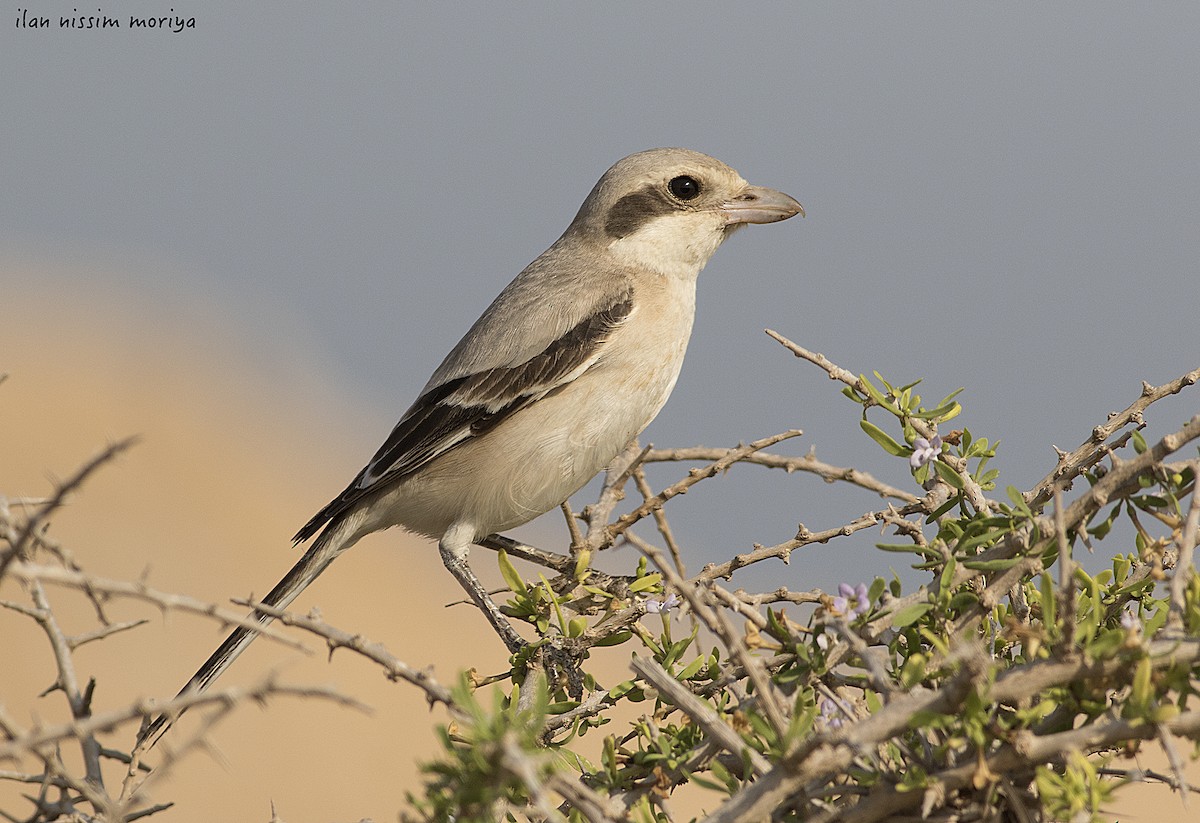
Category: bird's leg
<point>454,557</point>
<point>561,657</point>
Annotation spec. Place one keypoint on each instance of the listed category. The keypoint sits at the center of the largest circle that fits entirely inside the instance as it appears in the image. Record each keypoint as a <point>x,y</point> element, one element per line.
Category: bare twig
<point>1123,478</point>
<point>806,463</point>
<point>834,371</point>
<point>1145,775</point>
<point>595,807</point>
<point>41,736</point>
<point>1183,562</point>
<point>694,477</point>
<point>660,520</point>
<point>335,638</point>
<point>1066,575</point>
<point>1177,766</point>
<point>67,682</point>
<point>20,547</point>
<point>1091,451</point>
<point>32,572</point>
<point>804,537</point>
<point>611,493</point>
<point>560,563</point>
<point>104,631</point>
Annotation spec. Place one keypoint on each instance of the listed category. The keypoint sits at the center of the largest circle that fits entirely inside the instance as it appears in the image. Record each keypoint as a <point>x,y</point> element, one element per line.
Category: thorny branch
<point>790,714</point>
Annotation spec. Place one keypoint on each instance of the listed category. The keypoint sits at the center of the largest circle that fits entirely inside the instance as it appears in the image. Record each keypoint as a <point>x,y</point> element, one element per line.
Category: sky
<point>1002,198</point>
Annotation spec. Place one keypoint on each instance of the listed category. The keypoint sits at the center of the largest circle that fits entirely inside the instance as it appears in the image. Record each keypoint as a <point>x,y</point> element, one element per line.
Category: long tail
<point>333,540</point>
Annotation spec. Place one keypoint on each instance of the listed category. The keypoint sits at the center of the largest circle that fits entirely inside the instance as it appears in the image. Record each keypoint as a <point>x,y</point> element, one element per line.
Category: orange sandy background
<point>231,461</point>
<point>228,466</point>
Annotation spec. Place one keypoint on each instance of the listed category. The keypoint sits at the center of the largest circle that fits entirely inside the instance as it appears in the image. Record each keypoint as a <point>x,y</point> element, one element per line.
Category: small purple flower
<point>831,713</point>
<point>663,606</point>
<point>924,451</point>
<point>852,601</point>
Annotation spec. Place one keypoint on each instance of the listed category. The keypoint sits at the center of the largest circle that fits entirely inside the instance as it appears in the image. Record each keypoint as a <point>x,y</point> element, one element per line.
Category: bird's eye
<point>684,187</point>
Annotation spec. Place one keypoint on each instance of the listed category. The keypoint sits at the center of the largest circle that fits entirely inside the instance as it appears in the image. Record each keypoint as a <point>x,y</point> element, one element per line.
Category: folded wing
<point>470,406</point>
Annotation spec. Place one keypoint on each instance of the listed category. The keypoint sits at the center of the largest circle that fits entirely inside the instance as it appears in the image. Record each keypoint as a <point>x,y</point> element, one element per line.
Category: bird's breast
<point>544,453</point>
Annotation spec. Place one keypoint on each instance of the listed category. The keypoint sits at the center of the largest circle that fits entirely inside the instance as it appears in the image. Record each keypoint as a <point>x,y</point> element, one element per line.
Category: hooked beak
<point>760,205</point>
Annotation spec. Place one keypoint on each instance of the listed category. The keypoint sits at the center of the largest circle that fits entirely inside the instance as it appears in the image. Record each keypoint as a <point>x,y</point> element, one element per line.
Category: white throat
<point>675,245</point>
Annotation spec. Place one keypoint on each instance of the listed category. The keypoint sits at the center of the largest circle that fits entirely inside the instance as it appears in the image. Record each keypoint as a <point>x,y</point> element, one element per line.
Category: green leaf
<point>963,600</point>
<point>1140,695</point>
<point>878,396</point>
<point>1106,644</point>
<point>946,400</point>
<point>968,545</point>
<point>1155,622</point>
<point>722,774</point>
<point>1018,501</point>
<point>912,673</point>
<point>573,761</point>
<point>1101,530</point>
<point>991,565</point>
<point>614,639</point>
<point>987,480</point>
<point>910,614</point>
<point>1049,601</point>
<point>1121,568</point>
<point>691,668</point>
<point>673,652</point>
<point>582,562</point>
<point>921,475</point>
<point>941,413</point>
<point>949,475</point>
<point>774,627</point>
<point>705,783</point>
<point>1149,502</point>
<point>852,394</point>
<point>947,577</point>
<point>621,689</point>
<point>907,548</point>
<point>884,439</point>
<point>942,509</point>
<point>510,575</point>
<point>558,612</point>
<point>1139,442</point>
<point>977,449</point>
<point>643,583</point>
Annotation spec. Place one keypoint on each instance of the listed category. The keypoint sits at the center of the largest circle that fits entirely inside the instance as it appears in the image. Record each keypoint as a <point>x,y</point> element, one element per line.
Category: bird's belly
<point>550,450</point>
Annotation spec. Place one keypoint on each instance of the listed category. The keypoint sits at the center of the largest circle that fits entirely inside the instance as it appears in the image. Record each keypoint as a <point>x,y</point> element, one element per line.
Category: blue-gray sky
<point>1001,197</point>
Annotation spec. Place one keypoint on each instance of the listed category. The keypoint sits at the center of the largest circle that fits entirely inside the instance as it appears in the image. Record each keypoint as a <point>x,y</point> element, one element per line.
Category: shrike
<point>569,364</point>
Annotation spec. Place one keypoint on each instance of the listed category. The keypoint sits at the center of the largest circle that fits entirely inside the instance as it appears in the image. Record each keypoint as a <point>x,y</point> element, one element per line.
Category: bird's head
<point>669,209</point>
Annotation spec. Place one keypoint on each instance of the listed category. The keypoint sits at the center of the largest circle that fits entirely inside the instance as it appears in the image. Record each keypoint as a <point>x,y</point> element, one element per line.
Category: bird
<point>559,374</point>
